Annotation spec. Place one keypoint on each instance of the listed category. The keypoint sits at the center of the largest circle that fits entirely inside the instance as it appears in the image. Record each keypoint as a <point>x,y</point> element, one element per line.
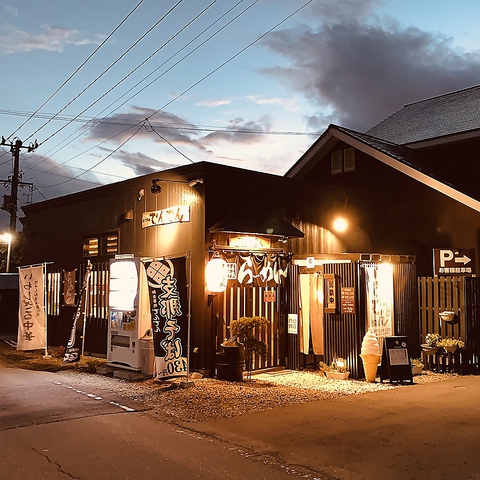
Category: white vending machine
<point>129,314</point>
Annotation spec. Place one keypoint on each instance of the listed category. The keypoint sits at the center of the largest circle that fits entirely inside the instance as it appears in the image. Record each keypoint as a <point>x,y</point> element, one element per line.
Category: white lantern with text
<point>216,274</point>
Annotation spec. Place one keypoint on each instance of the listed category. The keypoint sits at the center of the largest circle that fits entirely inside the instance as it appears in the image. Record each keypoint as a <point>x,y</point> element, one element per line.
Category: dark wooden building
<point>257,222</point>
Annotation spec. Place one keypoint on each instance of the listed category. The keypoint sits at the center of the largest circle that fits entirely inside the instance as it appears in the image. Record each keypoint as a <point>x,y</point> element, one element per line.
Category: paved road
<point>417,432</point>
<point>56,431</point>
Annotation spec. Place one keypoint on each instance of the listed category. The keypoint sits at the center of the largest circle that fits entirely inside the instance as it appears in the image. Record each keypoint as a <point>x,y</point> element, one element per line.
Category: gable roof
<point>438,119</point>
<point>399,157</point>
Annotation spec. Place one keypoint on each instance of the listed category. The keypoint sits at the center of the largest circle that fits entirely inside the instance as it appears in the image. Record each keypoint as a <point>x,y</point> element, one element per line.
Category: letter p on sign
<point>445,256</point>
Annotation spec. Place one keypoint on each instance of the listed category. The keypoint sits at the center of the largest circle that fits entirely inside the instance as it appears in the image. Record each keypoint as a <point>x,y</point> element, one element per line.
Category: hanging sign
<point>454,261</point>
<point>379,283</point>
<point>167,286</point>
<point>331,298</point>
<point>263,270</point>
<point>293,323</point>
<point>165,217</point>
<point>269,296</point>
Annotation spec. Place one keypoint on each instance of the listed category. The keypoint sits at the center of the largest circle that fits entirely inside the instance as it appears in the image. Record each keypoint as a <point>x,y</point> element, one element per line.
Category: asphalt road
<point>54,430</point>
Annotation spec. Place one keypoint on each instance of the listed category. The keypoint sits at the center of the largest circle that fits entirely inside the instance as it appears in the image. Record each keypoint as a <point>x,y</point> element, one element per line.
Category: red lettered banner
<point>167,287</point>
<point>31,312</point>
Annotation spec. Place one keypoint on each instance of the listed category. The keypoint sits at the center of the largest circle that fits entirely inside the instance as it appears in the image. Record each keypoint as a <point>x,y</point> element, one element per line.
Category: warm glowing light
<point>7,238</point>
<point>123,285</point>
<point>216,274</point>
<point>340,224</point>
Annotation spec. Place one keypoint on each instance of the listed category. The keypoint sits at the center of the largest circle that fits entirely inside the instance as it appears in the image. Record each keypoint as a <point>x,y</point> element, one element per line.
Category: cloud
<point>213,103</point>
<point>240,131</point>
<point>358,74</point>
<point>140,164</point>
<point>52,39</point>
<point>11,10</point>
<point>119,127</point>
<point>289,104</point>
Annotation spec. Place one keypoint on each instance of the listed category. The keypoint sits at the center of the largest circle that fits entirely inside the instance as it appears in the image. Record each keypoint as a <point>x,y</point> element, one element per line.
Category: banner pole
<point>189,315</point>
<point>45,308</point>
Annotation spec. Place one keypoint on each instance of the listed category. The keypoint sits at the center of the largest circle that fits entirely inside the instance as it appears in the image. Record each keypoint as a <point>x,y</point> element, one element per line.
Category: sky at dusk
<point>113,89</point>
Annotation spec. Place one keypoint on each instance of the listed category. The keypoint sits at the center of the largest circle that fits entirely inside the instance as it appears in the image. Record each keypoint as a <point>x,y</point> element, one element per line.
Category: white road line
<point>93,396</point>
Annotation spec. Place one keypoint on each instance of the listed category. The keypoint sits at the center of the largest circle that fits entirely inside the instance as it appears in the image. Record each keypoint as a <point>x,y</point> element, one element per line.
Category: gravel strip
<point>212,399</point>
<point>209,399</point>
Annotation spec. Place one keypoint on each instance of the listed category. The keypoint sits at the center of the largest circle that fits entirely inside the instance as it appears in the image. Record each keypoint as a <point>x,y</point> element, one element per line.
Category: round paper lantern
<point>216,274</point>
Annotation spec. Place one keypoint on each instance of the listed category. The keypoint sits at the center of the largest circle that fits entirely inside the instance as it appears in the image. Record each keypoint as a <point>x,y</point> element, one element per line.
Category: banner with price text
<point>31,312</point>
<point>167,287</point>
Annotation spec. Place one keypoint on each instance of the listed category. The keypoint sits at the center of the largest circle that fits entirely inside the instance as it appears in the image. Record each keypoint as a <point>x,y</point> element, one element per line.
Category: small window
<point>337,162</point>
<point>349,160</point>
<point>101,245</point>
<point>343,161</point>
<point>90,247</point>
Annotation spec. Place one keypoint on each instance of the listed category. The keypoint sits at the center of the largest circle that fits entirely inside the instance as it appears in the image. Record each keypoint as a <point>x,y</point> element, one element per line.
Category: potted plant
<point>337,369</point>
<point>246,331</point>
<point>417,366</point>
<point>450,344</point>
<point>430,347</point>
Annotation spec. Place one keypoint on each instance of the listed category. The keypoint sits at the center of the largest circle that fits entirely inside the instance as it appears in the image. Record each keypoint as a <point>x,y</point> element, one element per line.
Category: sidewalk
<point>422,432</point>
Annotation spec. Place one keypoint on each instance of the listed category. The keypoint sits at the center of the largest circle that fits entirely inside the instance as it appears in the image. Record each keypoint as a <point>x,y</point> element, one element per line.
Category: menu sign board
<point>395,360</point>
<point>347,299</point>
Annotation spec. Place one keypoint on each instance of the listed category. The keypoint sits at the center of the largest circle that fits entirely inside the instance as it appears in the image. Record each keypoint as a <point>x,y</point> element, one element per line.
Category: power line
<point>231,58</point>
<point>136,68</point>
<point>76,71</point>
<point>101,161</point>
<point>149,126</point>
<point>104,72</point>
<point>163,63</point>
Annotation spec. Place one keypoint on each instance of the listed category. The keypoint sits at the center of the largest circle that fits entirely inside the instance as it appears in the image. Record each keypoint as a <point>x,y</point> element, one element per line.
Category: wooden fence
<point>462,296</point>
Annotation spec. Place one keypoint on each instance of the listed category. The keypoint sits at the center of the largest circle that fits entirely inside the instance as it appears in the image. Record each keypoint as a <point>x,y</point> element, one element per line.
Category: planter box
<point>416,370</point>
<point>337,375</point>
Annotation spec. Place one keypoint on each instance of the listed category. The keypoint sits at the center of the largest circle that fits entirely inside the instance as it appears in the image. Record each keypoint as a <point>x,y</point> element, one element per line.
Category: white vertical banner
<point>379,280</point>
<point>31,312</point>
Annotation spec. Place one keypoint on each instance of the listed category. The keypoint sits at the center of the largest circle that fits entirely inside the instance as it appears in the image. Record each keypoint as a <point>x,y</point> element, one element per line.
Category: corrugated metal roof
<point>436,117</point>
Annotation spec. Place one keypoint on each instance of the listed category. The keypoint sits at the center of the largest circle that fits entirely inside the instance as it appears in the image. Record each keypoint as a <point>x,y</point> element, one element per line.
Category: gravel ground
<point>206,400</point>
<point>209,399</point>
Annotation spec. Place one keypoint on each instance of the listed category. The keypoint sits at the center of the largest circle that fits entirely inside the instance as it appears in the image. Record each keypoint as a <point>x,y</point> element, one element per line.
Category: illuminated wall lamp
<point>216,274</point>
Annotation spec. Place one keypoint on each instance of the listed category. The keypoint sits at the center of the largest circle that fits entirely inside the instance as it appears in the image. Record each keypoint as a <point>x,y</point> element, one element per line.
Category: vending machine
<point>129,314</point>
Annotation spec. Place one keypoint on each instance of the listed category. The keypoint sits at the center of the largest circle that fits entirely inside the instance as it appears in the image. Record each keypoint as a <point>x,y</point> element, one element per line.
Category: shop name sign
<point>454,261</point>
<point>166,216</point>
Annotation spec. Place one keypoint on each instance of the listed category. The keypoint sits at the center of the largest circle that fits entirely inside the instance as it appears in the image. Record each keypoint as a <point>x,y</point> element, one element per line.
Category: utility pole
<point>10,203</point>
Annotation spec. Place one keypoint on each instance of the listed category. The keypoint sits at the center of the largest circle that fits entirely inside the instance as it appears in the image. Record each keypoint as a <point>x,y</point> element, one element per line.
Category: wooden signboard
<point>396,360</point>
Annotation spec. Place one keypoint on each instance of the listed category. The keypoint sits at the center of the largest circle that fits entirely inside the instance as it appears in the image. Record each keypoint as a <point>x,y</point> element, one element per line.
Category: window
<point>343,161</point>
<point>349,160</point>
<point>337,162</point>
<point>101,245</point>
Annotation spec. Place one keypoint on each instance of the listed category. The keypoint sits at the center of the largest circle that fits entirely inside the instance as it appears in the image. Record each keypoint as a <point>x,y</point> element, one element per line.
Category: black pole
<point>14,190</point>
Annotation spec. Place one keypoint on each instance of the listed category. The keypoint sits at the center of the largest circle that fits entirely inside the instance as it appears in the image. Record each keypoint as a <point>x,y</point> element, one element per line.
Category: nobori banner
<point>167,287</point>
<point>166,216</point>
<point>31,312</point>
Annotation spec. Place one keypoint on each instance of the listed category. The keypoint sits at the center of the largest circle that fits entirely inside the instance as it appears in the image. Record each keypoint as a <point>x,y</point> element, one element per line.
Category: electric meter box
<point>129,313</point>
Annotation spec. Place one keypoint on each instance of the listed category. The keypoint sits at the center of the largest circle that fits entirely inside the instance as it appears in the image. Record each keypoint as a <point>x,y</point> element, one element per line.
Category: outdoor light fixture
<point>7,238</point>
<point>141,194</point>
<point>192,183</point>
<point>340,224</point>
<point>155,188</point>
<point>128,215</point>
<point>216,274</point>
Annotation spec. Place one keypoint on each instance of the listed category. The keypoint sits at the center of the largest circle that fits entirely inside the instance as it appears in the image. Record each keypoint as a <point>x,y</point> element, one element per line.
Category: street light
<point>7,238</point>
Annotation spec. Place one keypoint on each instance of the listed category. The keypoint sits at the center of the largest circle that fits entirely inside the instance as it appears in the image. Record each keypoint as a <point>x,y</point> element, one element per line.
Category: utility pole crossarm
<point>15,148</point>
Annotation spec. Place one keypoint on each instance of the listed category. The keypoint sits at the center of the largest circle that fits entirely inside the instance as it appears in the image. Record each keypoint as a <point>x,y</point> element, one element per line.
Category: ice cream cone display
<point>370,355</point>
<point>370,366</point>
